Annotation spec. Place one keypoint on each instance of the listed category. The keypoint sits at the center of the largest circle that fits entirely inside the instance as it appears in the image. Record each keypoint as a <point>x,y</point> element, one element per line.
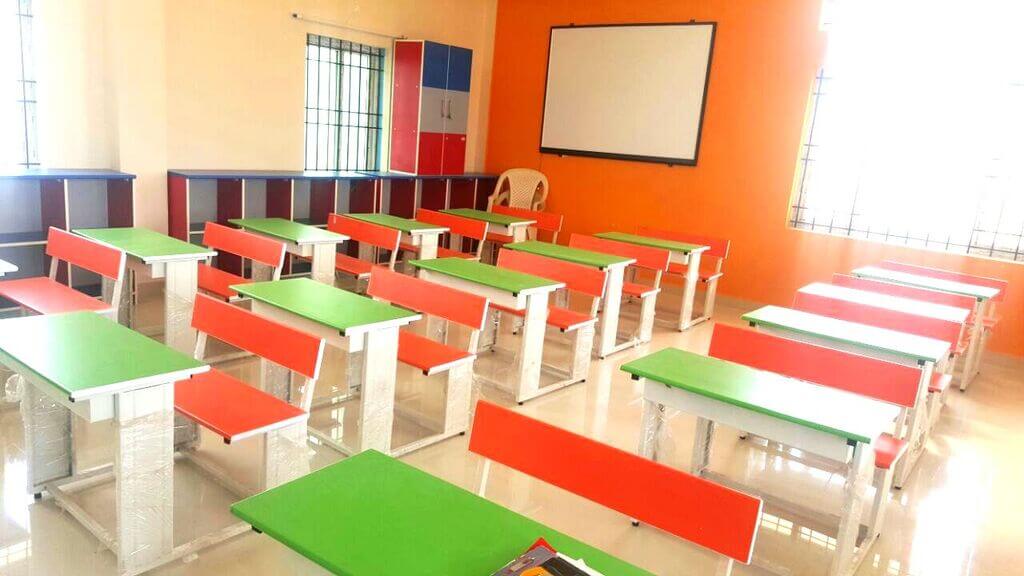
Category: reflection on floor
<point>959,514</point>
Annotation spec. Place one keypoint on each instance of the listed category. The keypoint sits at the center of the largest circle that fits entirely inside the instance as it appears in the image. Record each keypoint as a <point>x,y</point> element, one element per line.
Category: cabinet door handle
<point>442,108</point>
<point>449,108</point>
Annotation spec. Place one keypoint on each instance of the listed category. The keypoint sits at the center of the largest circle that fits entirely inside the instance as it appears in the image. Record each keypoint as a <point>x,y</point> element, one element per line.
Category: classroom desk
<point>86,365</point>
<point>425,236</point>
<point>922,353</point>
<point>982,295</point>
<point>175,261</point>
<point>616,269</point>
<point>371,515</point>
<point>509,289</point>
<point>302,240</point>
<point>497,223</point>
<point>680,252</point>
<point>366,329</point>
<point>830,423</point>
<point>6,268</point>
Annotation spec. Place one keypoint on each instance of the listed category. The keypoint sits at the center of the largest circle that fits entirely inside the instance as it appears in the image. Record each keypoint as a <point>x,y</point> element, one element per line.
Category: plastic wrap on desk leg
<point>276,380</point>
<point>143,469</point>
<point>47,436</point>
<point>656,439</point>
<point>186,433</point>
<point>582,346</point>
<point>354,370</point>
<point>178,331</point>
<point>287,455</point>
<point>13,388</point>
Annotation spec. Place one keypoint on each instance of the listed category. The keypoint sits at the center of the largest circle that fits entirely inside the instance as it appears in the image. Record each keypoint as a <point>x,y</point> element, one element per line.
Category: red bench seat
<point>888,449</point>
<point>351,265</point>
<point>428,355</point>
<point>638,290</point>
<point>940,382</point>
<point>46,296</point>
<point>219,282</point>
<point>231,408</point>
<point>562,318</point>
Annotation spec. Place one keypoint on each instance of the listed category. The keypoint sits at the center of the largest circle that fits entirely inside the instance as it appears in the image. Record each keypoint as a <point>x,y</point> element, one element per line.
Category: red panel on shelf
<point>229,205</point>
<point>53,212</point>
<point>322,200</point>
<point>279,199</point>
<point>177,207</point>
<point>120,208</point>
<point>431,152</point>
<point>462,194</point>
<point>403,198</point>
<point>484,189</point>
<point>432,194</point>
<point>405,107</point>
<point>454,157</point>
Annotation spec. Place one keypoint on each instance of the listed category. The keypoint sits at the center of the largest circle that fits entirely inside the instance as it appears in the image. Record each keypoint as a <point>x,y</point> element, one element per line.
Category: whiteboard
<point>632,91</point>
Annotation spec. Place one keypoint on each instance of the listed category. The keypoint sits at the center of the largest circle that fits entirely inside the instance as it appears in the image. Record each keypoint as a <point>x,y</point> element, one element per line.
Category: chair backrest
<point>878,379</point>
<point>576,277</point>
<point>82,252</point>
<point>526,189</point>
<point>646,256</point>
<point>687,506</point>
<point>365,232</point>
<point>245,244</point>
<point>903,291</point>
<point>546,221</point>
<point>283,345</point>
<point>997,283</point>
<point>459,225</point>
<point>945,330</point>
<point>429,298</point>
<point>717,247</point>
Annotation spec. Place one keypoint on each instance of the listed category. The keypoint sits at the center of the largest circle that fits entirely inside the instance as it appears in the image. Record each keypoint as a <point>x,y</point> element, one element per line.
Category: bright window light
<point>916,134</point>
<point>17,87</point>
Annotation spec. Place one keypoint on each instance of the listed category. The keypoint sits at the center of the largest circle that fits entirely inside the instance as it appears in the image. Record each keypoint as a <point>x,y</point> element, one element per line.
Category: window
<point>915,133</point>
<point>18,146</point>
<point>343,104</point>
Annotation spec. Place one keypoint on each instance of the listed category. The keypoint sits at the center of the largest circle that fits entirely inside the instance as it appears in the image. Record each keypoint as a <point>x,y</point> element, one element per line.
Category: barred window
<point>18,139</point>
<point>343,104</point>
<point>915,133</point>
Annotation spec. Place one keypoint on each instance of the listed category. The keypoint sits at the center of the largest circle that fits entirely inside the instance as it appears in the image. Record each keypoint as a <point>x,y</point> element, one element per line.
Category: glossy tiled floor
<point>959,514</point>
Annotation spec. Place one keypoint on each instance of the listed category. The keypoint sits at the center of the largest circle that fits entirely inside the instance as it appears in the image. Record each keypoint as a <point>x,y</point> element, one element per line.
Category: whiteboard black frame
<point>634,157</point>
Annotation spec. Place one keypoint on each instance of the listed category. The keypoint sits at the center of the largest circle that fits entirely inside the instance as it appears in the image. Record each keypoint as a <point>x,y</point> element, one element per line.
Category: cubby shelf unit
<point>32,200</point>
<point>195,197</point>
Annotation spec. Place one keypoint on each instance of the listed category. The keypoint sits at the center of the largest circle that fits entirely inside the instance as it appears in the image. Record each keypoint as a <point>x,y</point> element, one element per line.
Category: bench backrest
<point>997,283</point>
<point>283,345</point>
<point>365,232</point>
<point>945,330</point>
<point>465,227</point>
<point>429,298</point>
<point>717,247</point>
<point>82,252</point>
<point>646,256</point>
<point>878,379</point>
<point>903,291</point>
<point>546,221</point>
<point>245,244</point>
<point>576,277</point>
<point>687,506</point>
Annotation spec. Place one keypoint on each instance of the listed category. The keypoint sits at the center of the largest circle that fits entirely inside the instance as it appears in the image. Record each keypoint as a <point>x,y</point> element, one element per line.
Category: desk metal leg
<point>846,558</point>
<point>531,350</point>
<point>703,436</point>
<point>974,350</point>
<point>323,263</point>
<point>609,319</point>
<point>689,291</point>
<point>48,449</point>
<point>916,425</point>
<point>428,246</point>
<point>180,286</point>
<point>285,456</point>
<point>143,476</point>
<point>377,398</point>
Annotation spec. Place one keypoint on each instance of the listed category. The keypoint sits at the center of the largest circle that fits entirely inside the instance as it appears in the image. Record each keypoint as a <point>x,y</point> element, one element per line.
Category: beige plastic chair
<point>520,188</point>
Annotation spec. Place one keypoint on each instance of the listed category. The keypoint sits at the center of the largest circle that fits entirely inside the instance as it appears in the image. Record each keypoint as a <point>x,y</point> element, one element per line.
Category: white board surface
<point>627,91</point>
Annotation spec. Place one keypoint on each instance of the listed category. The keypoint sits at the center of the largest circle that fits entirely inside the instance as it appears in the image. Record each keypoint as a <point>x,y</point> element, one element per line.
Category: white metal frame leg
<point>845,561</point>
<point>323,263</point>
<point>285,456</point>
<point>609,317</point>
<point>377,398</point>
<point>528,364</point>
<point>582,347</point>
<point>916,424</point>
<point>180,286</point>
<point>689,290</point>
<point>48,445</point>
<point>428,246</point>
<point>703,436</point>
<point>974,350</point>
<point>458,399</point>
<point>144,476</point>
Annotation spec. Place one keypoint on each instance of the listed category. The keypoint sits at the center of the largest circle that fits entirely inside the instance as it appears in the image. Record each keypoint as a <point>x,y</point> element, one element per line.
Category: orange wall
<point>765,57</point>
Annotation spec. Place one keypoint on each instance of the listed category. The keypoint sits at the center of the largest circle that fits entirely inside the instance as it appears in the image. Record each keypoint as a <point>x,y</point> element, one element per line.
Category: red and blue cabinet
<point>429,107</point>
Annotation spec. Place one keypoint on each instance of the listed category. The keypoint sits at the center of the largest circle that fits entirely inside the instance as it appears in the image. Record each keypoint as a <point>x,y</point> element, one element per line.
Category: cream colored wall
<point>155,84</point>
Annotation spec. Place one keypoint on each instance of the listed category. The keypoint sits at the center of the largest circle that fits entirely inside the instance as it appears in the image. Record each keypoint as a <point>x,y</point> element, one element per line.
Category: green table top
<point>575,255</point>
<point>371,515</point>
<point>289,230</point>
<point>669,245</point>
<point>895,303</point>
<point>942,285</point>
<point>487,275</point>
<point>146,245</point>
<point>84,355</point>
<point>835,412</point>
<point>339,309</point>
<point>489,217</point>
<point>396,223</point>
<point>917,348</point>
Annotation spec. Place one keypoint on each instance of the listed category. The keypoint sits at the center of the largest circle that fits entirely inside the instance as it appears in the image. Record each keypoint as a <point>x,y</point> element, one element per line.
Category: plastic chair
<point>526,188</point>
